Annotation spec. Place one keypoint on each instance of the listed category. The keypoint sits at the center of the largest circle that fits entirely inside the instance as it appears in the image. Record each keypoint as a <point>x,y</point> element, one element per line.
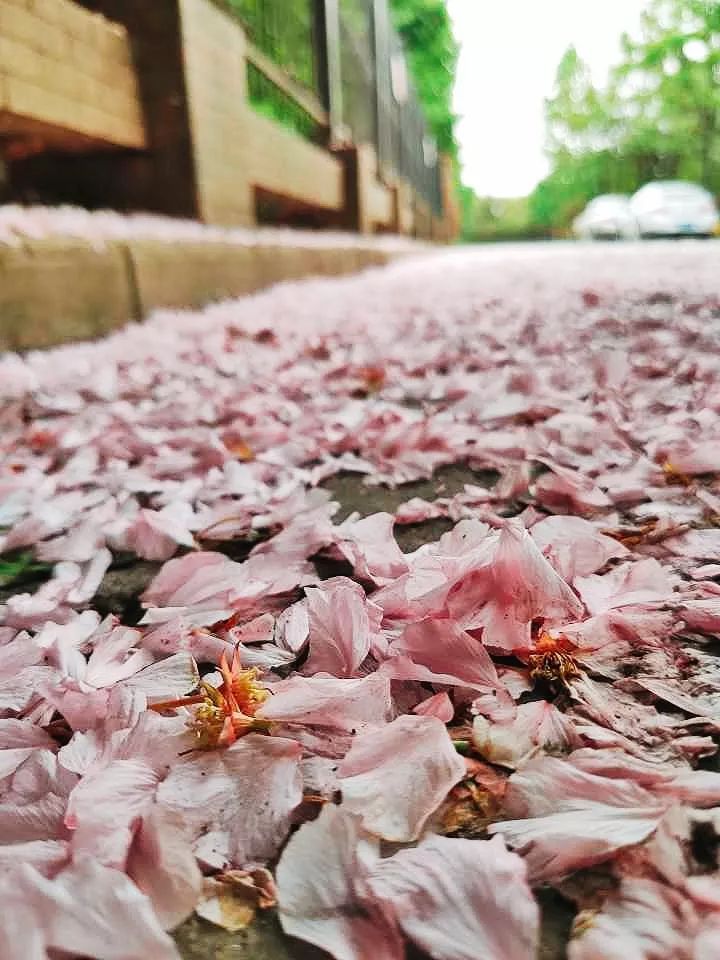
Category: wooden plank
<point>283,81</point>
<point>283,163</point>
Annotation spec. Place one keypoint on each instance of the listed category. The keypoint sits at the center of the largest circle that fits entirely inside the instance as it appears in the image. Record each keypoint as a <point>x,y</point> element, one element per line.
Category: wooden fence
<point>232,113</point>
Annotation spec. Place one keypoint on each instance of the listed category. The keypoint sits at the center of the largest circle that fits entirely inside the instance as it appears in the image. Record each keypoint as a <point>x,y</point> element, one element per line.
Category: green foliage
<point>283,30</point>
<point>432,52</point>
<point>20,568</point>
<point>271,102</point>
<point>658,117</point>
<point>494,219</point>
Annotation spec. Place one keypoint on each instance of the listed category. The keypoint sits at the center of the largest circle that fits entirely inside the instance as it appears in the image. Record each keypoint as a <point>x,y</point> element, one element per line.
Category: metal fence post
<point>327,52</point>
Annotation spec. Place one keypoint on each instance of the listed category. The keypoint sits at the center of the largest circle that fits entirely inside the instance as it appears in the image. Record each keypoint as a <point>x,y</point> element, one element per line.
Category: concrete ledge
<point>53,291</point>
<point>56,291</point>
<point>188,274</point>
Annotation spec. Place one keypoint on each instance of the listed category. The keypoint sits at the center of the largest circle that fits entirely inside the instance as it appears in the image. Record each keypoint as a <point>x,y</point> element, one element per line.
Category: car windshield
<point>606,203</point>
<point>676,191</point>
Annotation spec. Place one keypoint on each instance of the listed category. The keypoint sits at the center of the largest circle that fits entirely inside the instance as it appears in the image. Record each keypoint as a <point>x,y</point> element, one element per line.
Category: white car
<point>606,217</point>
<point>674,208</point>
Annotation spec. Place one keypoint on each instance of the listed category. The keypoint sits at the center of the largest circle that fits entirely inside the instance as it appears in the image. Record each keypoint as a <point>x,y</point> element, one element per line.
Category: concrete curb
<point>58,290</point>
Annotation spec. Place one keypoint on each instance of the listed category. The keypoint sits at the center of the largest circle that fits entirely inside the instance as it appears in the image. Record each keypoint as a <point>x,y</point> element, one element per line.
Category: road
<point>462,515</point>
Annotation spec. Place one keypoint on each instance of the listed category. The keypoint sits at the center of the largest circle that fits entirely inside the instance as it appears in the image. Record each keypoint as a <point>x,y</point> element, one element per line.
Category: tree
<point>659,116</point>
<point>672,74</point>
<point>576,115</point>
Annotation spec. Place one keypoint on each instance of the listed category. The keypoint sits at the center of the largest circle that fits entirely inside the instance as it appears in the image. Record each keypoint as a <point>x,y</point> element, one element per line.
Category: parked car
<point>674,208</point>
<point>606,217</point>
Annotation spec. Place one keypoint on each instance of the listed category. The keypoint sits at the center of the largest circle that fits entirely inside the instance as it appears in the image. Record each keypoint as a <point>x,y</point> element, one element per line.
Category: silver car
<point>674,208</point>
<point>607,217</point>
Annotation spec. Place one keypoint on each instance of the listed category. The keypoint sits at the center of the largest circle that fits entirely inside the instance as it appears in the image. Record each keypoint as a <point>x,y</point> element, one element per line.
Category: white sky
<point>510,50</point>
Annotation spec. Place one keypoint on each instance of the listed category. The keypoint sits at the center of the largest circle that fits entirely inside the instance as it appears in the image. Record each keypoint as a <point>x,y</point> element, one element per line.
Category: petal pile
<point>414,707</point>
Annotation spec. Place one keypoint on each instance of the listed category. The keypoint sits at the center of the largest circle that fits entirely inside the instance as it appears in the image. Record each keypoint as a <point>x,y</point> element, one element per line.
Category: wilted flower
<point>222,714</point>
<point>552,660</point>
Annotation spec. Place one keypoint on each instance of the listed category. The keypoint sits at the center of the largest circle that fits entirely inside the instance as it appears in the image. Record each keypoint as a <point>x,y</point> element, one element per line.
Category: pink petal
<point>702,615</point>
<point>94,911</point>
<point>417,510</point>
<point>574,546</point>
<point>163,865</point>
<point>565,491</point>
<point>693,457</point>
<point>293,627</point>
<point>370,546</point>
<point>45,856</point>
<point>103,808</point>
<point>166,679</point>
<point>395,778</point>
<point>449,653</point>
<point>203,587</point>
<point>342,704</point>
<point>111,659</point>
<point>241,798</point>
<point>536,724</point>
<point>515,587</point>
<point>644,581</point>
<point>697,544</point>
<point>644,920</point>
<point>439,705</point>
<point>573,819</point>
<point>546,784</point>
<point>38,820</point>
<point>12,758</point>
<point>340,627</point>
<point>177,636</point>
<point>558,844</point>
<point>317,899</point>
<point>259,630</point>
<point>156,534</point>
<point>21,933</point>
<point>460,899</point>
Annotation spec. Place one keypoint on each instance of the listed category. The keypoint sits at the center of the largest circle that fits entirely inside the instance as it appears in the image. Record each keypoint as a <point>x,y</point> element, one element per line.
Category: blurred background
<point>306,113</point>
<point>437,119</point>
<point>561,102</point>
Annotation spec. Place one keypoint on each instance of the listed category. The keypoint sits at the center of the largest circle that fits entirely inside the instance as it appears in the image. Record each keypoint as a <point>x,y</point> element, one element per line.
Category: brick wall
<point>66,78</point>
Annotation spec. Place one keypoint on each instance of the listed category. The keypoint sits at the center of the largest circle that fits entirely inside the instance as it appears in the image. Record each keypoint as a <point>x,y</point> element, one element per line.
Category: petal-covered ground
<point>388,606</point>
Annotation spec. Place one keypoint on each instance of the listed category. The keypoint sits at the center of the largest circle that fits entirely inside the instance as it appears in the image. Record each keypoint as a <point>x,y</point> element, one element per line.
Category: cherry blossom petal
<point>460,899</point>
<point>339,627</point>
<point>92,910</point>
<point>644,920</point>
<point>343,704</point>
<point>574,546</point>
<point>395,778</point>
<point>439,705</point>
<point>239,800</point>
<point>317,898</point>
<point>163,865</point>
